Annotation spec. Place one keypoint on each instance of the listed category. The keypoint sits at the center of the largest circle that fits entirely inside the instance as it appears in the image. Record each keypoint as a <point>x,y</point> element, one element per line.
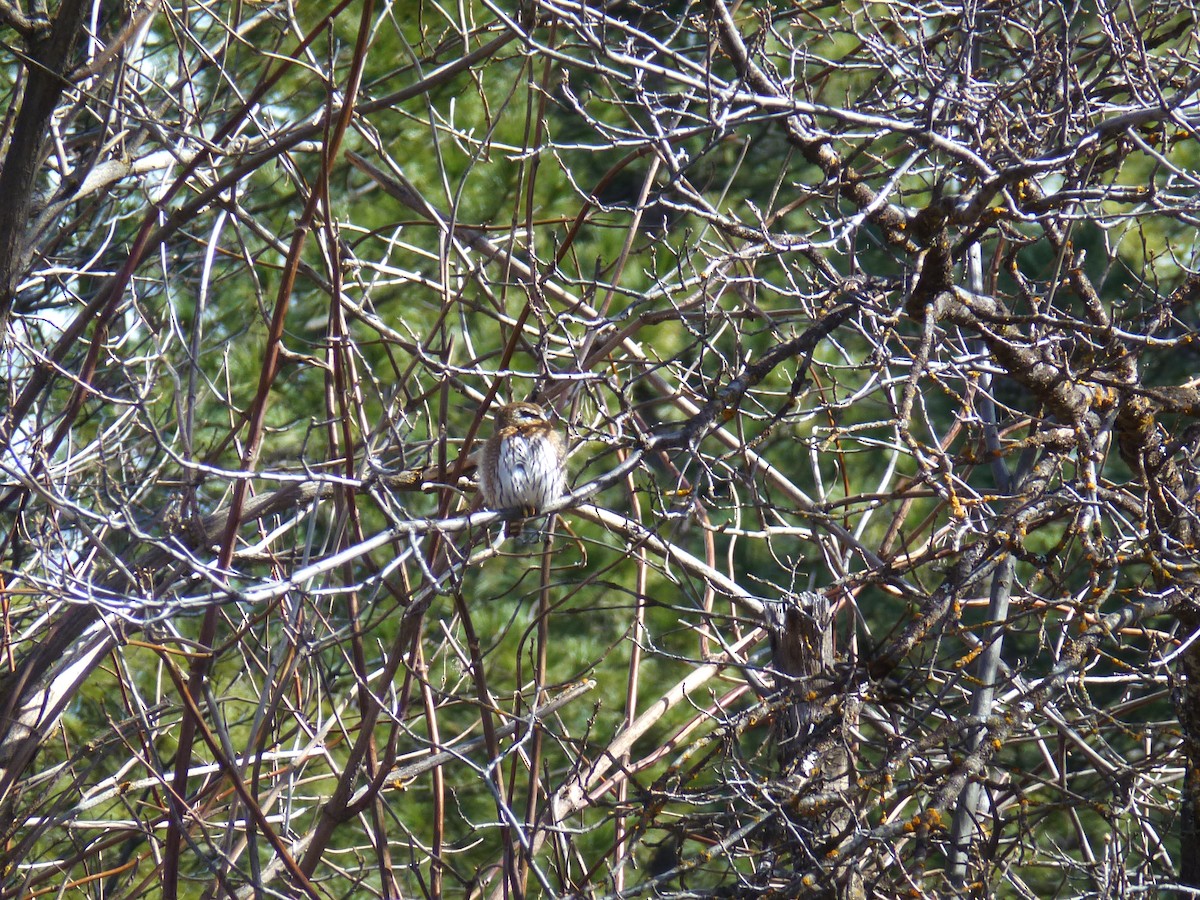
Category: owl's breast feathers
<point>522,463</point>
<point>524,467</point>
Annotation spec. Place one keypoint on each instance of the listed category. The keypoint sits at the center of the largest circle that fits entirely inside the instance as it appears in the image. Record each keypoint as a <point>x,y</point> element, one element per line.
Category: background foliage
<point>876,308</point>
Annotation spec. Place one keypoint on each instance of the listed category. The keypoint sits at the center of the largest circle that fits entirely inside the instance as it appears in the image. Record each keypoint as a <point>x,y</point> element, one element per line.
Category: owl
<point>522,462</point>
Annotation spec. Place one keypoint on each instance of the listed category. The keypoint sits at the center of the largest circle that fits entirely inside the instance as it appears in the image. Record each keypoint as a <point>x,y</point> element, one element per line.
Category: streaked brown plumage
<point>522,462</point>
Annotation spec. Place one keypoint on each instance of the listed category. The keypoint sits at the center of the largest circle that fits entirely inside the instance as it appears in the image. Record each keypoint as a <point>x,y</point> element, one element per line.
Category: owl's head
<point>516,415</point>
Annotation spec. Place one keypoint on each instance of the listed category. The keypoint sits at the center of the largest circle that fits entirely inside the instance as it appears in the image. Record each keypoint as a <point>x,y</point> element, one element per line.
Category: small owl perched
<point>522,462</point>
